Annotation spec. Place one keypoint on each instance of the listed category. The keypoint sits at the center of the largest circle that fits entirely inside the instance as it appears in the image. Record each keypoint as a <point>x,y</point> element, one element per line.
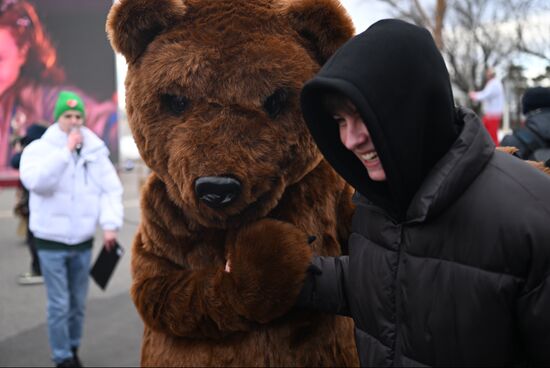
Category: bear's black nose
<point>217,191</point>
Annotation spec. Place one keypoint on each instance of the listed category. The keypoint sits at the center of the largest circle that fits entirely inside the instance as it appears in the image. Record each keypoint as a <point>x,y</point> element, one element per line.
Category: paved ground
<point>113,330</point>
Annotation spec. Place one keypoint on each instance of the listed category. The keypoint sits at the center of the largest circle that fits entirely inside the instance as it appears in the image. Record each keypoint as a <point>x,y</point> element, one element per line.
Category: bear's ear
<point>133,24</point>
<point>323,26</point>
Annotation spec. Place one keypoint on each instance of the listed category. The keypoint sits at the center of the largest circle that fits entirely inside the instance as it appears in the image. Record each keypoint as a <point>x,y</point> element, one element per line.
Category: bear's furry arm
<point>343,217</point>
<point>179,301</point>
<point>268,263</point>
<point>268,259</point>
<point>181,289</point>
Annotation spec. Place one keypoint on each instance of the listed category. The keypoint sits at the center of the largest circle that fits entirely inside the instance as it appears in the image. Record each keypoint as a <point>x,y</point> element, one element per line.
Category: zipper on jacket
<point>74,176</point>
<point>397,342</point>
<point>85,165</point>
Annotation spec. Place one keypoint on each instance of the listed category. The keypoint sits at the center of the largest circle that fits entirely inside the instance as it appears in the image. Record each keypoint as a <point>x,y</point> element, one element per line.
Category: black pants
<point>35,263</point>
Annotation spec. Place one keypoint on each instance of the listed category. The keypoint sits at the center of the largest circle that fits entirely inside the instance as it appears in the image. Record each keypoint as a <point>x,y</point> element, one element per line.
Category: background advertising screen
<point>47,46</point>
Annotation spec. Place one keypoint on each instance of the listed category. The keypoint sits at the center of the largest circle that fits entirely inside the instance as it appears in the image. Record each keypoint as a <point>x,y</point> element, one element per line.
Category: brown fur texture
<point>536,164</point>
<point>213,90</point>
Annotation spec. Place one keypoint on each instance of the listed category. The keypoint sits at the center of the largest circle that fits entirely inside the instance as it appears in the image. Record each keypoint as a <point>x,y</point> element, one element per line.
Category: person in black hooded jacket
<point>449,256</point>
<point>533,139</point>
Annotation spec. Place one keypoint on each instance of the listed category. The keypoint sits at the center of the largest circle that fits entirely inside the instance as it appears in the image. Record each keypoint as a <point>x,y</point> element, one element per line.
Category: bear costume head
<point>213,96</point>
<point>237,185</point>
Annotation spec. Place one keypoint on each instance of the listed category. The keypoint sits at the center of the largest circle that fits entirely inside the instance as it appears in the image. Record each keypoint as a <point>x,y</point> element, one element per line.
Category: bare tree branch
<point>475,34</point>
<point>422,14</point>
<point>439,15</point>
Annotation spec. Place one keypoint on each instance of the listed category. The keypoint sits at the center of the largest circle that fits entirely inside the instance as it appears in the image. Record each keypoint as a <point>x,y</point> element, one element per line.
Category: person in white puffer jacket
<point>73,186</point>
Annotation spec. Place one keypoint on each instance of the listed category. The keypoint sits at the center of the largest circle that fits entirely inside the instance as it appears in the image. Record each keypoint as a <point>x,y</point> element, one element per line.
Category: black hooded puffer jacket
<point>449,259</point>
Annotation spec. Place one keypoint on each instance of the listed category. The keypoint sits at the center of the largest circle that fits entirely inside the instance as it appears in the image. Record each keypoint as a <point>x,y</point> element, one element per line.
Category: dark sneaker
<point>77,361</point>
<point>29,278</point>
<point>70,362</point>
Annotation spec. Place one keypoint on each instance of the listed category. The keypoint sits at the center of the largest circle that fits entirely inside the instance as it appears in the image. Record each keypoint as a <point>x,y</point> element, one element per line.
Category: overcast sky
<point>365,12</point>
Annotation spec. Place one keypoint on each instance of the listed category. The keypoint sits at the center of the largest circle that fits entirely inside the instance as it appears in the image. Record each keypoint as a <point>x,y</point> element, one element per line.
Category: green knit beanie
<point>67,100</point>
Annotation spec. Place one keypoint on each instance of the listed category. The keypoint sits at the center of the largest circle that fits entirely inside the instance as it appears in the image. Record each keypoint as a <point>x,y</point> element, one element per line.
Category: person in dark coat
<point>533,139</point>
<point>449,257</point>
<point>34,276</point>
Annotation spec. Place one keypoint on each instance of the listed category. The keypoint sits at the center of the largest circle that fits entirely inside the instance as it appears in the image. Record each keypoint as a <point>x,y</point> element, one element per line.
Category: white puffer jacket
<point>69,193</point>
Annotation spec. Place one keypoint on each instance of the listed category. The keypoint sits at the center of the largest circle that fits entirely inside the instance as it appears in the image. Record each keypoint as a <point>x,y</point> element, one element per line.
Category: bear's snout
<point>217,191</point>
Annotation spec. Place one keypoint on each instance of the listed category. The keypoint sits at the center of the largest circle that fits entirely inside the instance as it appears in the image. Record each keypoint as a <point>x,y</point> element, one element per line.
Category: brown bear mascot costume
<point>212,95</point>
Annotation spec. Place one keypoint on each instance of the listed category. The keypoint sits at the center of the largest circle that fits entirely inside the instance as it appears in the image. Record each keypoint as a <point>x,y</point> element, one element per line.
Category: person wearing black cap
<point>449,256</point>
<point>34,131</point>
<point>533,138</point>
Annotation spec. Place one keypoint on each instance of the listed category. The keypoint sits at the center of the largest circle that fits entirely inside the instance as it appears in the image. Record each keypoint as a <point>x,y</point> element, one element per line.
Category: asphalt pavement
<point>113,329</point>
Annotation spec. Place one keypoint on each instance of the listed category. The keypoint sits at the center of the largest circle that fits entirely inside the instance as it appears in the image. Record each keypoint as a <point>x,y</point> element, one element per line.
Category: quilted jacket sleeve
<point>42,166</point>
<point>325,287</point>
<point>533,305</point>
<point>534,322</point>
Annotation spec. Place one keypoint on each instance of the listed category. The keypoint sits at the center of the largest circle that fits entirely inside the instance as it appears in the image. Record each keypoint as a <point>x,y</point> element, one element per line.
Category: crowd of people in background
<point>532,138</point>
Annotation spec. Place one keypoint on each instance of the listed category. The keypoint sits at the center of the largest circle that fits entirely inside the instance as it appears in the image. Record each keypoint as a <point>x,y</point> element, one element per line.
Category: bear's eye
<point>275,103</point>
<point>175,104</point>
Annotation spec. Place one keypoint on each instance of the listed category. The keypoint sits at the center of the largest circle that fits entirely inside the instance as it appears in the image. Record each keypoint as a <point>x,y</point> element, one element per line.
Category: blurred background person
<point>31,79</point>
<point>34,276</point>
<point>492,103</point>
<point>73,186</point>
<point>533,138</point>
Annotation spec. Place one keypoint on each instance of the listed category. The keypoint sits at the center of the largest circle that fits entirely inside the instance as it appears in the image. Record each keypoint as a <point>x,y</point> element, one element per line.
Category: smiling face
<point>355,136</point>
<point>12,58</point>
